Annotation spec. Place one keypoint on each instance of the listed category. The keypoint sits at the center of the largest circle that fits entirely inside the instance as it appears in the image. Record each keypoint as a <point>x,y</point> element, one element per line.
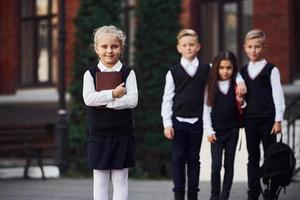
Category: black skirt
<point>108,153</point>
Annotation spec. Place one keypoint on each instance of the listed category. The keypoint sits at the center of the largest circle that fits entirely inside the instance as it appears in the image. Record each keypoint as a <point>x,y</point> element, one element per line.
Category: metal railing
<point>291,119</point>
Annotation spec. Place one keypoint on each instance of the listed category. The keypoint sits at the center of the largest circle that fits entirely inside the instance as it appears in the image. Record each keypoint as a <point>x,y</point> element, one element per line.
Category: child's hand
<point>212,138</point>
<point>276,128</point>
<point>169,133</point>
<point>241,89</point>
<point>119,91</point>
<point>240,99</point>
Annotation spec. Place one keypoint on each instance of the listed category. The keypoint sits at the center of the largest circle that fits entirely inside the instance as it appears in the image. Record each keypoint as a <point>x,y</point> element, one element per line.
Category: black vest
<point>259,96</point>
<point>189,91</point>
<point>109,122</point>
<point>224,113</point>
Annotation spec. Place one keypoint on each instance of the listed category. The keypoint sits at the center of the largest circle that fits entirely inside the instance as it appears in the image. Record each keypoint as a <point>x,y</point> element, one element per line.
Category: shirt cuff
<point>278,118</point>
<point>209,131</point>
<point>111,94</point>
<point>167,123</point>
<point>244,105</point>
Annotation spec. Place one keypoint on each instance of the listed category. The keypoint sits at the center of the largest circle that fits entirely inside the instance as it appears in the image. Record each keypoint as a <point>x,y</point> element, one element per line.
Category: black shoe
<point>192,195</point>
<point>178,195</point>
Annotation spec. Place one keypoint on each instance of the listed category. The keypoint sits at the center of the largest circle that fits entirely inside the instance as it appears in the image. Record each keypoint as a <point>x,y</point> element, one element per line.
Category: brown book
<point>108,80</point>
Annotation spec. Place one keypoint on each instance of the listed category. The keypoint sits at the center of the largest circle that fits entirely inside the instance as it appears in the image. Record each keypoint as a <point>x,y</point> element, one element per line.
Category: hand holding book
<point>119,91</point>
<point>111,81</point>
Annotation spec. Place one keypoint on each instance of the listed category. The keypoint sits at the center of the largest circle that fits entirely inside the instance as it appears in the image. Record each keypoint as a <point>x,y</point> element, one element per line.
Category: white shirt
<point>278,97</point>
<point>169,92</point>
<point>93,98</point>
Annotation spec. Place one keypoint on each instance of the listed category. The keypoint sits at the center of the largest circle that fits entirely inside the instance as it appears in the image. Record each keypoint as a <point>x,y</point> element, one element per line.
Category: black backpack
<point>278,167</point>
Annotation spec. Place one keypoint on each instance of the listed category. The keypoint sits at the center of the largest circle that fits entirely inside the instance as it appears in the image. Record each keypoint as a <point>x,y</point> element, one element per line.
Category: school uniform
<point>265,105</point>
<point>182,109</point>
<point>223,120</point>
<point>110,143</point>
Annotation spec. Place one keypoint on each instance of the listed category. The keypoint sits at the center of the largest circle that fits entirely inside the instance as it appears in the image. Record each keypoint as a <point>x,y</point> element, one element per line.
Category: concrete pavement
<point>81,189</point>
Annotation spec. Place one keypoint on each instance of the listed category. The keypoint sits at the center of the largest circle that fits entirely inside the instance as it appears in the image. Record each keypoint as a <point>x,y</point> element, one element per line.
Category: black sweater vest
<point>110,122</point>
<point>224,113</point>
<point>189,91</point>
<point>259,96</point>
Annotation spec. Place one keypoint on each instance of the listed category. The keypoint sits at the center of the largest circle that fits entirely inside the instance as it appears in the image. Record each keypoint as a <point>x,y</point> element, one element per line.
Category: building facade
<point>29,50</point>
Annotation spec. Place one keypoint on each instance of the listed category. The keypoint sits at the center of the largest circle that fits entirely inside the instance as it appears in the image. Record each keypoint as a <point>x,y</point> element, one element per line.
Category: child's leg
<point>179,151</point>
<point>265,131</point>
<point>230,148</point>
<point>253,141</point>
<point>195,133</point>
<point>101,183</point>
<point>268,139</point>
<point>216,165</point>
<point>120,184</point>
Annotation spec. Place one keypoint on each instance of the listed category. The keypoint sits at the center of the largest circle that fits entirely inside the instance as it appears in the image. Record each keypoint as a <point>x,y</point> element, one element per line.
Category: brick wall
<point>71,12</point>
<point>273,18</point>
<point>10,42</point>
<point>9,50</point>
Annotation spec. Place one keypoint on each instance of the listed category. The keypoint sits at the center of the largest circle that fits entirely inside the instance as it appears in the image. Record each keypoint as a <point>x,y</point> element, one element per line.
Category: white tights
<point>119,180</point>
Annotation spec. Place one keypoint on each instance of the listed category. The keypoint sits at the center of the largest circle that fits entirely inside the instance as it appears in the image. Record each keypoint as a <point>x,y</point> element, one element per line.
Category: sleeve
<point>90,96</point>
<point>239,78</point>
<point>167,102</point>
<point>277,93</point>
<point>207,124</point>
<point>130,99</point>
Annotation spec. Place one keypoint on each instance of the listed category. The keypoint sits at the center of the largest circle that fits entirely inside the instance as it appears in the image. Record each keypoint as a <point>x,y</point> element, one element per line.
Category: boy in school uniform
<point>265,106</point>
<point>182,110</point>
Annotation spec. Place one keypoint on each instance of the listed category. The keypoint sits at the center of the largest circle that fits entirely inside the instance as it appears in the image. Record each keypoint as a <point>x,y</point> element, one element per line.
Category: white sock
<point>101,183</point>
<point>120,184</point>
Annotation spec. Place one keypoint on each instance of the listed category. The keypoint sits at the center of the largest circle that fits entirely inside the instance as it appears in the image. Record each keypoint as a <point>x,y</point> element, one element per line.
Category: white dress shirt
<point>278,97</point>
<point>169,92</point>
<point>93,98</point>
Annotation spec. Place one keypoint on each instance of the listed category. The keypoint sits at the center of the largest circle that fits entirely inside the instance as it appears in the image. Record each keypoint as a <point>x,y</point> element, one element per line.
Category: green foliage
<point>91,14</point>
<point>158,25</point>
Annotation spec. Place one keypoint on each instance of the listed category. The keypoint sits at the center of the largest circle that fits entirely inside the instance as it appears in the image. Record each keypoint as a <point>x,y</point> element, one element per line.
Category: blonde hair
<point>187,32</point>
<point>111,29</point>
<point>255,33</point>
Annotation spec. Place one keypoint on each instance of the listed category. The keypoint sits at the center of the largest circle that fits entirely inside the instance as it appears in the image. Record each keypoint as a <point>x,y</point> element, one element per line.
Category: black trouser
<point>227,141</point>
<point>185,152</point>
<point>257,130</point>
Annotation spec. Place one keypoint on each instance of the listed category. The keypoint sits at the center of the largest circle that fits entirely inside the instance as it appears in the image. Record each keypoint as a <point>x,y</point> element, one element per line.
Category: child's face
<point>188,47</point>
<point>254,49</point>
<point>109,49</point>
<point>225,70</point>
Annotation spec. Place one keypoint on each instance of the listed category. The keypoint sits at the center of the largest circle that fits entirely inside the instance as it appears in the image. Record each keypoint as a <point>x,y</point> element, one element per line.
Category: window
<point>39,42</point>
<point>223,26</point>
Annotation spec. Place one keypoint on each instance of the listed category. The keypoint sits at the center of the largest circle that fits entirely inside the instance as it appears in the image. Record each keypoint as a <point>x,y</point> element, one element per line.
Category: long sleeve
<point>90,96</point>
<point>277,93</point>
<point>239,78</point>
<point>167,103</point>
<point>130,99</point>
<point>207,124</point>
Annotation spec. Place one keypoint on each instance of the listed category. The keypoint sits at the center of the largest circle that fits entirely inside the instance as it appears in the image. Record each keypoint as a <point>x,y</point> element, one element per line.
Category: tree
<point>91,14</point>
<point>155,47</point>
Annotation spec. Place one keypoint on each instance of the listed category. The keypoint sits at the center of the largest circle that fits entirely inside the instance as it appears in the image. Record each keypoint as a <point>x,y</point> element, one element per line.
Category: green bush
<point>155,52</point>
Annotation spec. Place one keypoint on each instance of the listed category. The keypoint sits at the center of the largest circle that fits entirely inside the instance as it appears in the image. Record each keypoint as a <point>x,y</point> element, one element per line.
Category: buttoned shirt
<point>169,92</point>
<point>93,98</point>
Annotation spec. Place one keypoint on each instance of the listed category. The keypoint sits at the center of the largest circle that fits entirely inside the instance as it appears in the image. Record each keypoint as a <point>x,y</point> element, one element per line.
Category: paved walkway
<point>81,189</point>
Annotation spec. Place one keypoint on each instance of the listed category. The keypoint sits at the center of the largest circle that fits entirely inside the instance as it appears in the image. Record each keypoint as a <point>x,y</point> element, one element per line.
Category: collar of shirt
<point>190,67</point>
<point>117,67</point>
<point>224,86</point>
<point>255,68</point>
